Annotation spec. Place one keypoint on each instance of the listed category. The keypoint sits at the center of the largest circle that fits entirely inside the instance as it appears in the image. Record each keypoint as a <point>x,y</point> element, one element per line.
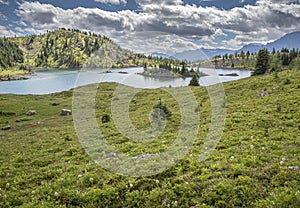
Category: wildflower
<point>55,194</point>
<point>33,192</point>
<point>4,196</point>
<point>281,162</point>
<point>263,148</point>
<point>91,179</point>
<point>251,146</point>
<point>157,181</point>
<point>163,142</point>
<point>283,159</point>
<point>131,185</point>
<point>232,157</point>
<point>80,176</point>
<point>175,203</point>
<point>7,185</point>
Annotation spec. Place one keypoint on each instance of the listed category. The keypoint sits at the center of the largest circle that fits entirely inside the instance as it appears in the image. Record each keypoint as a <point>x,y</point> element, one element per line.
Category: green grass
<point>44,165</point>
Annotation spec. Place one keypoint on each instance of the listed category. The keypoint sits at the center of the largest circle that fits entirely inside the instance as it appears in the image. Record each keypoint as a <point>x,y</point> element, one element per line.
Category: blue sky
<point>166,26</point>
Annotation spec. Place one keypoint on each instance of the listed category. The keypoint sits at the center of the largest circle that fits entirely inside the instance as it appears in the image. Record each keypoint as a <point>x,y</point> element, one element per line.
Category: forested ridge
<point>71,48</point>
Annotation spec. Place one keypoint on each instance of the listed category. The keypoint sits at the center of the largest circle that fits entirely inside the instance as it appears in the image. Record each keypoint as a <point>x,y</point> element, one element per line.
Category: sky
<point>166,26</point>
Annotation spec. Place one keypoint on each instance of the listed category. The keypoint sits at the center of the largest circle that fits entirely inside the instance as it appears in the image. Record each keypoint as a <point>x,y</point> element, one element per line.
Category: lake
<point>51,81</point>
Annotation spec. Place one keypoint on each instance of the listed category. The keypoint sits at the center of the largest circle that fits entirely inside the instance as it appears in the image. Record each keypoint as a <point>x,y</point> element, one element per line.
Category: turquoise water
<point>51,81</point>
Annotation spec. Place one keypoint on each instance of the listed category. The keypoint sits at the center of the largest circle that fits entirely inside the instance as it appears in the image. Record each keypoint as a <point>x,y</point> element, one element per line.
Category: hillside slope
<point>72,49</point>
<point>255,164</point>
<point>10,53</point>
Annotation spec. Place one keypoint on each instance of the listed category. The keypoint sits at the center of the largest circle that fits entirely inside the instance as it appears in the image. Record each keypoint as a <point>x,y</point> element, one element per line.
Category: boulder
<point>293,167</point>
<point>142,156</point>
<point>31,113</point>
<point>65,112</point>
<point>263,93</point>
<point>6,128</point>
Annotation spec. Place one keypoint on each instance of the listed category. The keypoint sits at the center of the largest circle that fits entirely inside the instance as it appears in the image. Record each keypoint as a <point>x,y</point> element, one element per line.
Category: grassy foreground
<point>254,165</point>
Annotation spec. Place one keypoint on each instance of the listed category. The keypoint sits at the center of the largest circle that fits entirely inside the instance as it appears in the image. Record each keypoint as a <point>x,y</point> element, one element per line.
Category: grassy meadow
<point>255,164</point>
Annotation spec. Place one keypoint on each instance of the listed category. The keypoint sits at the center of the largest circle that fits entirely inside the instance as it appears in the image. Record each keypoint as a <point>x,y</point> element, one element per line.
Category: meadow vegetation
<point>255,164</point>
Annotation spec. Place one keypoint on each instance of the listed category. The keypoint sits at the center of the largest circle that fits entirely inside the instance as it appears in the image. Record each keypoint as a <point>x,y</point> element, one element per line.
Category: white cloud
<point>169,25</point>
<point>6,32</point>
<point>4,2</point>
<point>112,1</point>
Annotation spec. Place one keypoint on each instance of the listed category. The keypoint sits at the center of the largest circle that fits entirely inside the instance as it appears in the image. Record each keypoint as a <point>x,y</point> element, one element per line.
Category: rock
<point>55,104</point>
<point>229,75</point>
<point>6,128</point>
<point>65,112</point>
<point>121,72</point>
<point>293,167</point>
<point>31,113</point>
<point>142,156</point>
<point>263,94</point>
<point>39,97</point>
<point>111,155</point>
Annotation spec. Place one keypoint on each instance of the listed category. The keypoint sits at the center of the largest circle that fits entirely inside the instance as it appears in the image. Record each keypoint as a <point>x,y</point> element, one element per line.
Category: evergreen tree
<point>194,81</point>
<point>262,62</point>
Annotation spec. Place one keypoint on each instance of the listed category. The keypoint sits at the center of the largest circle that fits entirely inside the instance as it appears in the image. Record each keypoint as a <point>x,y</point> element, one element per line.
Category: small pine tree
<point>194,81</point>
<point>262,63</point>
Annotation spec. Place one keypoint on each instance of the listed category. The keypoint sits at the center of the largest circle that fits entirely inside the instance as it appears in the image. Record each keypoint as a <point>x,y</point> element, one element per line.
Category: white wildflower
<point>251,146</point>
<point>232,157</point>
<point>55,194</point>
<point>281,162</point>
<point>131,185</point>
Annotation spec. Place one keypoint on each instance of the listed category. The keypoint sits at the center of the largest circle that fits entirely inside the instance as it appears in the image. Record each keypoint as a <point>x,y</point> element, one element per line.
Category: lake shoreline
<point>51,81</point>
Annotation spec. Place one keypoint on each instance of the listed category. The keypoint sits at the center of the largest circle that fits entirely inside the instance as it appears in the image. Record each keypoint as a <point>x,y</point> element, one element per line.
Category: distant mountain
<point>290,41</point>
<point>253,47</point>
<point>163,55</point>
<point>201,54</point>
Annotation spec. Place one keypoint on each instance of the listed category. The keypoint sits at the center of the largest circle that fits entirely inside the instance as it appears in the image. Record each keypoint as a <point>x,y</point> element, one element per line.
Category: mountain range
<point>290,41</point>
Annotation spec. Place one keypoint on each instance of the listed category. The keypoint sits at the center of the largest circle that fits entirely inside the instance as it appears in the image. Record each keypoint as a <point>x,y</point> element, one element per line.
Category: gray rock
<point>142,156</point>
<point>111,155</point>
<point>65,112</point>
<point>31,113</point>
<point>263,94</point>
<point>293,167</point>
<point>6,128</point>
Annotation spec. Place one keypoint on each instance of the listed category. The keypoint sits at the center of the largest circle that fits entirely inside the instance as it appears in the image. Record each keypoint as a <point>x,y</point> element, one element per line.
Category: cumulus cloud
<point>4,2</point>
<point>112,1</point>
<point>6,32</point>
<point>171,25</point>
